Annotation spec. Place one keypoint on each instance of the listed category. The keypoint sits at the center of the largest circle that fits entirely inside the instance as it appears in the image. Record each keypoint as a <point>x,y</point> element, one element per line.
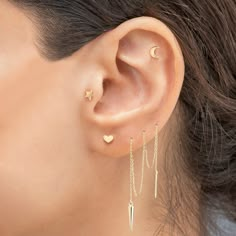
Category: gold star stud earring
<point>89,95</point>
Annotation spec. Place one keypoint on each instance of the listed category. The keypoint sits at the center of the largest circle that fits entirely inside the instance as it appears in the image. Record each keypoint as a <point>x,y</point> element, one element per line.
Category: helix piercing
<point>153,52</point>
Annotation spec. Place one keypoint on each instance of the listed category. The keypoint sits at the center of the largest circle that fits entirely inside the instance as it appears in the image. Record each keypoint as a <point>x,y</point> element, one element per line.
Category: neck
<point>104,209</point>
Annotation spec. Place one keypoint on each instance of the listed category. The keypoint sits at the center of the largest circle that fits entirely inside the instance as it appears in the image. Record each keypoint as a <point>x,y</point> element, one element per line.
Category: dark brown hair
<point>206,32</point>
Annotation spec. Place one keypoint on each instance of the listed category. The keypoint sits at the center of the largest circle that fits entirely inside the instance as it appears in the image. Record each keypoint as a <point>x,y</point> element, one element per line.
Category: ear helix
<point>89,94</point>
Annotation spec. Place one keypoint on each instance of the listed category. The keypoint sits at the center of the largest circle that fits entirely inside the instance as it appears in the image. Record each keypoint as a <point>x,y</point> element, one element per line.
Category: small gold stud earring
<point>89,95</point>
<point>153,52</point>
<point>108,138</point>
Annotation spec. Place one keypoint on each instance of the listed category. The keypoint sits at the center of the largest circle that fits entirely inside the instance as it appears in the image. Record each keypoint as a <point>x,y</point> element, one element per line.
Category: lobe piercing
<point>108,138</point>
<point>132,184</point>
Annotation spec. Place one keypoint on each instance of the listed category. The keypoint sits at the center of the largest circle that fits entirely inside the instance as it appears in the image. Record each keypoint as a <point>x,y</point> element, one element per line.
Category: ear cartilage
<point>89,95</point>
<point>153,52</point>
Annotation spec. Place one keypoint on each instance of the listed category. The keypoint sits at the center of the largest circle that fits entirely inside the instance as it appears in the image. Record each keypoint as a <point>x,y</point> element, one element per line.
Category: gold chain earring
<point>132,187</point>
<point>154,161</point>
<point>132,172</point>
<point>144,159</point>
<point>155,157</point>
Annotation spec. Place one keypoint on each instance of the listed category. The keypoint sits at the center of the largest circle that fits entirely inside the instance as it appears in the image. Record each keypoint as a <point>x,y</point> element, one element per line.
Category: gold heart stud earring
<point>108,138</point>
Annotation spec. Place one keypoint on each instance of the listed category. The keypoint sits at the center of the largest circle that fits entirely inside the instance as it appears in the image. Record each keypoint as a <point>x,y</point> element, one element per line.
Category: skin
<point>57,175</point>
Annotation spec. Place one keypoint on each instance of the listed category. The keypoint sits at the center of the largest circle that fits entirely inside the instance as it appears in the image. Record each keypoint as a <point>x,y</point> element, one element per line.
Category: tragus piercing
<point>89,95</point>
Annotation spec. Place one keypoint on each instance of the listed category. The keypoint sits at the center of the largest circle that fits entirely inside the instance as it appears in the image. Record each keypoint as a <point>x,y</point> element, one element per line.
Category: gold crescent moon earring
<point>153,52</point>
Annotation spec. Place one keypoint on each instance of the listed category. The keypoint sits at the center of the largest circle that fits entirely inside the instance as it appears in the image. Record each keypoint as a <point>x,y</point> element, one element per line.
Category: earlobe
<point>143,72</point>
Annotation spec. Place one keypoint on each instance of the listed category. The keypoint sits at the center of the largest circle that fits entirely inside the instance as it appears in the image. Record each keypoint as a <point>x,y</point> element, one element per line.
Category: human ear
<point>133,90</point>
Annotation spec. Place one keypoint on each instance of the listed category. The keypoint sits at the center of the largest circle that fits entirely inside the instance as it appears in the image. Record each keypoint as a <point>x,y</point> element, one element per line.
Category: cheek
<point>20,83</point>
<point>32,195</point>
<point>42,170</point>
<point>20,200</point>
<point>40,150</point>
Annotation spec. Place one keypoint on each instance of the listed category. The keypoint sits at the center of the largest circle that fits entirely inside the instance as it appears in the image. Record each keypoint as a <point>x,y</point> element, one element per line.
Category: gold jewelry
<point>144,159</point>
<point>108,138</point>
<point>132,173</point>
<point>155,158</point>
<point>89,95</point>
<point>153,52</point>
<point>132,187</point>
